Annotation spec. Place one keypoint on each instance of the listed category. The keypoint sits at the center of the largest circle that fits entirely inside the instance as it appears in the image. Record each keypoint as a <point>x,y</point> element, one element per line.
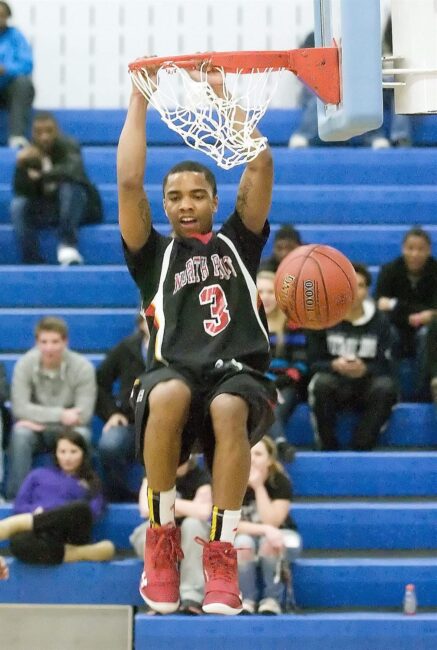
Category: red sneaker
<point>220,568</point>
<point>159,586</point>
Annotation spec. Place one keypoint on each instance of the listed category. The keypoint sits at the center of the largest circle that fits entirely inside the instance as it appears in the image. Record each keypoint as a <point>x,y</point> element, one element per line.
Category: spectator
<point>4,418</point>
<point>288,367</point>
<point>16,88</point>
<point>351,366</point>
<point>122,365</point>
<point>398,126</point>
<point>267,534</point>
<point>431,355</point>
<point>51,188</point>
<point>55,509</point>
<point>52,387</point>
<point>407,291</point>
<point>192,510</point>
<point>286,240</point>
<point>4,569</point>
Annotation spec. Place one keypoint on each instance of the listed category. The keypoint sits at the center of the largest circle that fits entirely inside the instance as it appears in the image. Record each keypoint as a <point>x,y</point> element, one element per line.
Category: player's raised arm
<point>254,196</point>
<point>133,206</point>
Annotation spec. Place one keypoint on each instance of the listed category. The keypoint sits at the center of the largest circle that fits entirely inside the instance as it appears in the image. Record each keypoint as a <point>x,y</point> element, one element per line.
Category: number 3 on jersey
<point>214,296</point>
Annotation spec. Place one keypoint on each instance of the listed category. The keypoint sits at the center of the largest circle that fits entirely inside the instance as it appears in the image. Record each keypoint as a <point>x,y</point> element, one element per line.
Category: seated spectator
<point>52,387</point>
<point>406,291</point>
<point>192,510</point>
<point>288,367</point>
<point>267,538</point>
<point>286,240</point>
<point>51,189</point>
<point>56,507</point>
<point>431,355</point>
<point>121,366</point>
<point>16,88</point>
<point>395,130</point>
<point>351,369</point>
<point>4,418</point>
<point>4,569</point>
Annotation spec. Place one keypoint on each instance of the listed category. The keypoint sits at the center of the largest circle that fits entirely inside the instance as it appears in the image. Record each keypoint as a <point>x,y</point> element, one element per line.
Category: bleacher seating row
<point>368,521</point>
<point>277,125</point>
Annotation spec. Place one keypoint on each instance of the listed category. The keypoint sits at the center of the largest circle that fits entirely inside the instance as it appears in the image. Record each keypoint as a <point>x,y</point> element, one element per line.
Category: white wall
<point>82,47</point>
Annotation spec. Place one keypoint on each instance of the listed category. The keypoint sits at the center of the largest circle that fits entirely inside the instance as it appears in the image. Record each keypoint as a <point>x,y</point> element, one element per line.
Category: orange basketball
<point>315,286</point>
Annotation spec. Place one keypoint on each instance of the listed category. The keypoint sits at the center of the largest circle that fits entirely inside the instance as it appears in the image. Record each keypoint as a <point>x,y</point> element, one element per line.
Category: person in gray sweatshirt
<point>52,388</point>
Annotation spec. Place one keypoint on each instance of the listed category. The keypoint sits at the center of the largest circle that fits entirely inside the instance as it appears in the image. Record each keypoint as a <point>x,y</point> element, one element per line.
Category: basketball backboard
<point>355,27</point>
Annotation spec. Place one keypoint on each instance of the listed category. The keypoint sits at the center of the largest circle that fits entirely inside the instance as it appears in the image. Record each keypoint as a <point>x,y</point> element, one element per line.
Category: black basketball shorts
<point>198,435</point>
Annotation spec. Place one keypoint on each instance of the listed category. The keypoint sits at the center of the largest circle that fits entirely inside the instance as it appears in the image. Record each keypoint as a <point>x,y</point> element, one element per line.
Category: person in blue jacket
<point>16,87</point>
<point>56,507</point>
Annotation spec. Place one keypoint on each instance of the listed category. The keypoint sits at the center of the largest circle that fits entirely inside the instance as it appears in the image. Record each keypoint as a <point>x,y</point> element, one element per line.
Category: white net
<point>221,127</point>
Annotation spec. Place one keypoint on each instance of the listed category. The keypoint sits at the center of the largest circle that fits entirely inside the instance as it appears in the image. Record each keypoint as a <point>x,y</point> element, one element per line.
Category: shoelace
<point>221,562</point>
<point>167,549</point>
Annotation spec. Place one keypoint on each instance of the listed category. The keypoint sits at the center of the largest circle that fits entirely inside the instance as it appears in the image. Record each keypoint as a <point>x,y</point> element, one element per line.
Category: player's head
<point>5,14</point>
<point>190,198</point>
<point>416,249</point>
<point>286,240</point>
<point>45,130</point>
<point>364,280</point>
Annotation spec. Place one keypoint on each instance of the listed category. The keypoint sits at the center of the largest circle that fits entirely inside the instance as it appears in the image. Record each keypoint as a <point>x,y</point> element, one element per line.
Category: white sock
<point>161,506</point>
<point>224,524</point>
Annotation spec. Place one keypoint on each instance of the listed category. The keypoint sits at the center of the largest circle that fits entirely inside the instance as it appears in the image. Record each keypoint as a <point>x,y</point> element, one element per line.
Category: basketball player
<point>207,355</point>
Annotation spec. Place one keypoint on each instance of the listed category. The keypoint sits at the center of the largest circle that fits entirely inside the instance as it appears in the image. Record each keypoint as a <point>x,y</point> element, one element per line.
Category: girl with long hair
<point>56,507</point>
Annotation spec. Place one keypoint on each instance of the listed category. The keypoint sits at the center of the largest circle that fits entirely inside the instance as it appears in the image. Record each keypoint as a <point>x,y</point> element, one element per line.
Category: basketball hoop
<point>222,126</point>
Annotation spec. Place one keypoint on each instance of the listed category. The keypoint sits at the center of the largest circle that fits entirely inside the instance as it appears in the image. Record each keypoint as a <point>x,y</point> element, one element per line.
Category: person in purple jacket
<point>55,509</point>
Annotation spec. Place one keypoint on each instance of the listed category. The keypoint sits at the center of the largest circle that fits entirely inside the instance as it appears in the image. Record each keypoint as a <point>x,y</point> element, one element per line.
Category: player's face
<point>69,456</point>
<point>266,290</point>
<point>189,203</point>
<point>416,251</point>
<point>51,346</point>
<point>44,134</point>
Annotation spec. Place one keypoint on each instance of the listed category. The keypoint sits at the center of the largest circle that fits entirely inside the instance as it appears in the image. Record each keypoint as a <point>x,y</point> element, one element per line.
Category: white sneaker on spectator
<point>298,141</point>
<point>269,606</point>
<point>68,255</point>
<point>18,142</point>
<point>380,143</point>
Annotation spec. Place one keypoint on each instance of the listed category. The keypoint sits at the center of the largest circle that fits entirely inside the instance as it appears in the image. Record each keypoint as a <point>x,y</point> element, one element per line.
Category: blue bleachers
<point>348,631</point>
<point>368,520</point>
<point>101,244</point>
<point>103,126</point>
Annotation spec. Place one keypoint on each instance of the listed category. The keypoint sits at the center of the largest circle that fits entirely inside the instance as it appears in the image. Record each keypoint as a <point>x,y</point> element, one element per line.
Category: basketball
<point>315,286</point>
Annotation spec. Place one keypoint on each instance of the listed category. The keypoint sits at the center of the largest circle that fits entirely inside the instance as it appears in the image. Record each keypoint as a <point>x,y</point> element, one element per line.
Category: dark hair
<point>7,7</point>
<point>43,116</point>
<point>85,470</point>
<point>192,166</point>
<point>417,231</point>
<point>288,232</point>
<point>362,270</point>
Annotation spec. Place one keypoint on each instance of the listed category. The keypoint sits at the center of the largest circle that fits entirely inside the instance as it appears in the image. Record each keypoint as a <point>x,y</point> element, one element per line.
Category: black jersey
<point>200,298</point>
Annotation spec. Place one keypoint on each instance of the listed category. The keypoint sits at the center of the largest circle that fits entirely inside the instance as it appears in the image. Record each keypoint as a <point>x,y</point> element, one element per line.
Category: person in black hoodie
<point>122,365</point>
<point>407,291</point>
<point>51,189</point>
<point>351,368</point>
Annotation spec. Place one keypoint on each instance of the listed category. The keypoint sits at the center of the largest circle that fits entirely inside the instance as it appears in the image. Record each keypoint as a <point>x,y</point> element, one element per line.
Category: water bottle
<point>410,600</point>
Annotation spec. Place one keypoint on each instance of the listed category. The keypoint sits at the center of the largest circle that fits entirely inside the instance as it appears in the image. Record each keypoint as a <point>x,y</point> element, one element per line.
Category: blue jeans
<point>23,445</point>
<point>117,451</point>
<point>66,210</point>
<point>282,412</point>
<point>17,96</point>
